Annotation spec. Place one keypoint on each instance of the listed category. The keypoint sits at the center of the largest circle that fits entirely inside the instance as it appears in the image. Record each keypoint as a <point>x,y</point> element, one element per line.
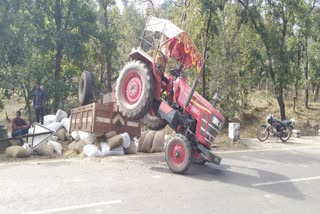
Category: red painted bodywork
<point>198,105</point>
<point>196,108</point>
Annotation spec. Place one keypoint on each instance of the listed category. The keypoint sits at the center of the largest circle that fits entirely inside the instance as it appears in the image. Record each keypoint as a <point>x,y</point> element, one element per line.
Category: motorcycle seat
<point>286,122</point>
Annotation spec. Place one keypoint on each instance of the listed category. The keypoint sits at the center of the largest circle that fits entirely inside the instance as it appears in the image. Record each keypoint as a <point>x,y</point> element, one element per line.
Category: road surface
<point>269,178</point>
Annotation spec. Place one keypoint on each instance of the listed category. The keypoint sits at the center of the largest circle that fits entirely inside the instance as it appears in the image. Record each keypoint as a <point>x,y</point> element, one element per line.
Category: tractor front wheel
<point>134,90</point>
<point>178,154</point>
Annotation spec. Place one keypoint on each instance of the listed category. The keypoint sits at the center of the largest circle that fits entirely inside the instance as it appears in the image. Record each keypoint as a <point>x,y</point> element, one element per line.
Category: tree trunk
<point>282,106</point>
<point>296,84</point>
<point>295,98</point>
<point>306,71</point>
<point>109,80</point>
<point>58,57</point>
<point>205,52</point>
<point>316,94</point>
<point>109,56</point>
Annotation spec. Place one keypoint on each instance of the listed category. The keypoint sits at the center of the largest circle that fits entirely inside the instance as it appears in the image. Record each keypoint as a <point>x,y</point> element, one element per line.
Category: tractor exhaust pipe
<point>195,83</point>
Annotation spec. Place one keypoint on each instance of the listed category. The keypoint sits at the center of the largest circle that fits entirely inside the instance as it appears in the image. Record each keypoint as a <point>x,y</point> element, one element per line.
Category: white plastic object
<point>125,140</point>
<point>92,151</point>
<point>57,147</point>
<point>61,115</point>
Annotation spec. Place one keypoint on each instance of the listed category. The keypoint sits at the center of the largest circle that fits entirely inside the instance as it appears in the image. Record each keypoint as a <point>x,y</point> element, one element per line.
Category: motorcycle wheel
<point>262,133</point>
<point>134,90</point>
<point>286,134</point>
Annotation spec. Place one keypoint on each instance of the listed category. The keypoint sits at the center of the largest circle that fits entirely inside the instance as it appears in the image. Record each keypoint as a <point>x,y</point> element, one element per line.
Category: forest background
<point>262,52</point>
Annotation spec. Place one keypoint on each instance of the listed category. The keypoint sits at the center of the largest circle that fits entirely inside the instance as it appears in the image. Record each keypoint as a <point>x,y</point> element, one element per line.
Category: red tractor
<point>144,91</point>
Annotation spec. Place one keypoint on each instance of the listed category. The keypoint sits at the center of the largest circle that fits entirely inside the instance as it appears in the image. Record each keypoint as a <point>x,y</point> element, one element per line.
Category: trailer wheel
<point>134,90</point>
<point>178,154</point>
<point>84,90</point>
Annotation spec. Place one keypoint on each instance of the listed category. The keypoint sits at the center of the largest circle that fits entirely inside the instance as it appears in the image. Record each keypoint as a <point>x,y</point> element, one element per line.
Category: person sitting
<point>19,126</point>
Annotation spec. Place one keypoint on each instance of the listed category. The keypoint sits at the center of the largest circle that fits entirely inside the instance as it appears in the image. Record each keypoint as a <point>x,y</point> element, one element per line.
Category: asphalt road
<point>269,178</point>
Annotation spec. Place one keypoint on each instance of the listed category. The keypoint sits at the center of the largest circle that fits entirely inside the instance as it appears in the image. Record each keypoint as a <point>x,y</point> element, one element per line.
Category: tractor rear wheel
<point>134,90</point>
<point>178,154</point>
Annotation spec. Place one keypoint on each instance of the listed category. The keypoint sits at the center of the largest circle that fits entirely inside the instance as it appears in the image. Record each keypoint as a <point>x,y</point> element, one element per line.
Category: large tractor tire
<point>134,90</point>
<point>178,154</point>
<point>153,122</point>
<point>84,90</point>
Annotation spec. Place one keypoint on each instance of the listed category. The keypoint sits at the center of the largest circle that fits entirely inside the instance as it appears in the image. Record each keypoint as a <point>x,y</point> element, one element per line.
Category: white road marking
<point>266,150</point>
<point>74,207</point>
<point>286,181</point>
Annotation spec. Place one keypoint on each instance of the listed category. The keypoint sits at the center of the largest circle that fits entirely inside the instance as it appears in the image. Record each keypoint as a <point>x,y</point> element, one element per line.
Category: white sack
<point>86,137</point>
<point>60,115</point>
<point>30,131</point>
<point>104,148</point>
<point>92,151</point>
<point>27,147</point>
<point>136,141</point>
<point>50,118</point>
<point>66,123</point>
<point>57,147</point>
<point>125,140</point>
<point>55,126</point>
<point>116,151</point>
<point>75,135</point>
<point>53,138</point>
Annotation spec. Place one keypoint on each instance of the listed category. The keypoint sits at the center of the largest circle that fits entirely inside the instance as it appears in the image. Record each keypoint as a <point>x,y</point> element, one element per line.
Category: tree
<point>63,27</point>
<point>271,21</point>
<point>19,55</point>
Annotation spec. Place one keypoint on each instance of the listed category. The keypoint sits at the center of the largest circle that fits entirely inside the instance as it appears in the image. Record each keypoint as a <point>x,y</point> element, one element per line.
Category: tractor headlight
<point>216,122</point>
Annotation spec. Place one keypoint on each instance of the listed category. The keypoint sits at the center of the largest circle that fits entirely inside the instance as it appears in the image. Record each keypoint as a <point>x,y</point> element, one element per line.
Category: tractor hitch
<point>208,155</point>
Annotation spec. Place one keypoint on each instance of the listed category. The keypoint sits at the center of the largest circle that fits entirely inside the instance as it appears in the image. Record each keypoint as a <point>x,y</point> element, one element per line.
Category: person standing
<point>39,96</point>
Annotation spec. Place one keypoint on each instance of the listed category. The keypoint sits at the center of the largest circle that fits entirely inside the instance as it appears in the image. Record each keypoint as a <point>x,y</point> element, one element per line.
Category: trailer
<point>101,117</point>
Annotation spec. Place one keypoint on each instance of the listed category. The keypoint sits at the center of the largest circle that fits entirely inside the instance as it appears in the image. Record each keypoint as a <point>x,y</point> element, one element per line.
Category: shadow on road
<point>232,175</point>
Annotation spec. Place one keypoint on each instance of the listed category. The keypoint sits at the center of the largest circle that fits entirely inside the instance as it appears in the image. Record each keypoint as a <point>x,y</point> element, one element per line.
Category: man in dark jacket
<point>19,126</point>
<point>39,96</point>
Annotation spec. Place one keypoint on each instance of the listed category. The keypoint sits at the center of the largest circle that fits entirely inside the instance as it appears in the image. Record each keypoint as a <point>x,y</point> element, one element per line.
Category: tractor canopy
<point>179,45</point>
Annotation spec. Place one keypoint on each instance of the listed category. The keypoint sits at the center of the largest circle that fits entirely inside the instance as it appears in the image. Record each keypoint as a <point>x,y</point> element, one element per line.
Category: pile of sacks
<point>83,144</point>
<point>152,141</point>
<point>86,144</point>
<point>59,124</point>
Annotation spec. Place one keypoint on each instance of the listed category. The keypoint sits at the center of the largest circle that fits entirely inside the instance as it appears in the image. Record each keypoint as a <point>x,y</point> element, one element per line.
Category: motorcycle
<point>275,127</point>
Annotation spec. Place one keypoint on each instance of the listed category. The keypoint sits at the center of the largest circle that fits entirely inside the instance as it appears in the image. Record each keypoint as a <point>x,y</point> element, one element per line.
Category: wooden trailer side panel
<point>101,118</point>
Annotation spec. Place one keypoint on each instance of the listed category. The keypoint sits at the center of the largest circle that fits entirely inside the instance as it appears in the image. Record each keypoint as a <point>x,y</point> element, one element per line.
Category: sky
<point>138,3</point>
